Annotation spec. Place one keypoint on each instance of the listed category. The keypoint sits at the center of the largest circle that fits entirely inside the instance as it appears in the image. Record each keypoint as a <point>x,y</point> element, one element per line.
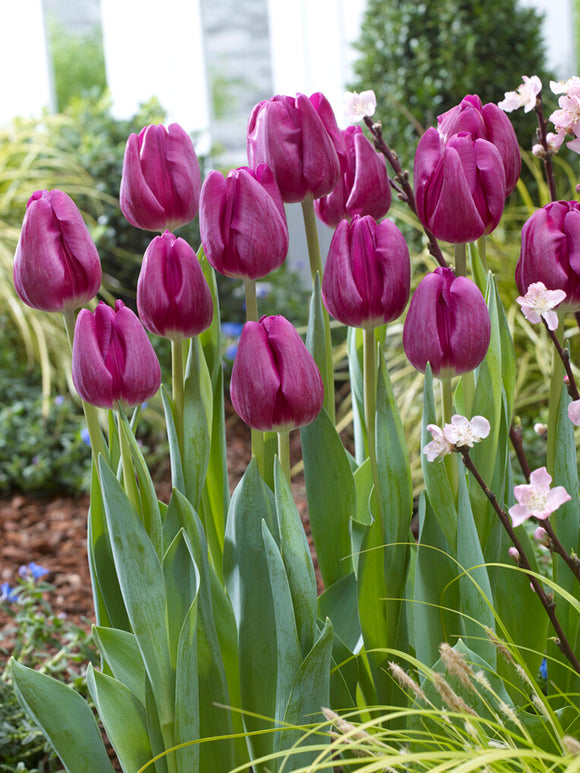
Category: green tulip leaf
<point>121,654</point>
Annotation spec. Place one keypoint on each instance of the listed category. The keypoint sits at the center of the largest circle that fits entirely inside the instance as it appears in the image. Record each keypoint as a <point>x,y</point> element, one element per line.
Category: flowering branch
<point>547,600</point>
<point>565,357</point>
<point>401,184</point>
<point>548,151</point>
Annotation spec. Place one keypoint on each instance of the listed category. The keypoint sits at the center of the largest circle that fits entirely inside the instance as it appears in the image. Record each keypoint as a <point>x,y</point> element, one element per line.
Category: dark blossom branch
<point>547,151</point>
<point>565,357</point>
<point>556,547</point>
<point>516,438</point>
<point>547,600</point>
<point>401,184</point>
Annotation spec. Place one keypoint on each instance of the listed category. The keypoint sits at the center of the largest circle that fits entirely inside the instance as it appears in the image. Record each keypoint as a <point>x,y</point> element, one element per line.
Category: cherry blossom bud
<point>540,534</point>
<point>56,264</point>
<point>243,223</point>
<point>513,553</point>
<point>275,382</point>
<point>363,189</point>
<point>459,186</point>
<point>550,251</point>
<point>367,274</point>
<point>447,325</point>
<point>161,179</point>
<point>173,297</point>
<point>113,362</point>
<point>486,122</point>
<point>299,139</point>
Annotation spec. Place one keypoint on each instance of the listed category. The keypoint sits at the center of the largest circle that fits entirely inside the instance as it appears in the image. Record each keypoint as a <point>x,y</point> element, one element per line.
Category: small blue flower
<point>85,437</point>
<point>544,669</point>
<point>33,570</point>
<point>232,329</point>
<point>7,593</point>
<point>59,400</point>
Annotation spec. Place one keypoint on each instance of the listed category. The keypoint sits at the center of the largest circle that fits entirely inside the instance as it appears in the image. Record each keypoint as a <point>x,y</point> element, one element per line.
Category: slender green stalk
<point>177,388</point>
<point>450,460</point>
<point>252,316</point>
<point>482,249</point>
<point>284,452</point>
<point>316,268</point>
<point>98,444</point>
<point>370,397</point>
<point>127,464</point>
<point>460,260</point>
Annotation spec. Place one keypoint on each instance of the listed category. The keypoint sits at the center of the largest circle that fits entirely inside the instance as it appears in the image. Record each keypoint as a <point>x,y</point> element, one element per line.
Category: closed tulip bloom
<point>243,223</point>
<point>367,273</point>
<point>363,189</point>
<point>551,251</point>
<point>447,325</point>
<point>299,139</point>
<point>275,384</point>
<point>56,264</point>
<point>173,296</point>
<point>459,186</point>
<point>113,362</point>
<point>486,122</point>
<point>161,179</point>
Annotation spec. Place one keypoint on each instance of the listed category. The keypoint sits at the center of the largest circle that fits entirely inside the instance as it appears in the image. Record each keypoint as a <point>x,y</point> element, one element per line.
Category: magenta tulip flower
<point>363,189</point>
<point>161,179</point>
<point>56,264</point>
<point>486,122</point>
<point>551,251</point>
<point>275,385</point>
<point>299,139</point>
<point>447,325</point>
<point>367,274</point>
<point>173,296</point>
<point>243,223</point>
<point>113,362</point>
<point>459,186</point>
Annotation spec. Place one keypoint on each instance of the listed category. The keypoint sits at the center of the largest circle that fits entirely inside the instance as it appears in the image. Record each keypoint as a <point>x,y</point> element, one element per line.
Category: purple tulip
<point>243,223</point>
<point>113,362</point>
<point>56,265</point>
<point>161,179</point>
<point>551,251</point>
<point>459,186</point>
<point>367,273</point>
<point>486,122</point>
<point>275,382</point>
<point>447,325</point>
<point>173,297</point>
<point>363,189</point>
<point>299,139</point>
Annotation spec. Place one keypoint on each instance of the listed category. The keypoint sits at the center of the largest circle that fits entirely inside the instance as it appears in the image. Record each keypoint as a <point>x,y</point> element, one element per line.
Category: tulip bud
<point>363,189</point>
<point>173,297</point>
<point>56,264</point>
<point>459,186</point>
<point>486,122</point>
<point>113,362</point>
<point>550,251</point>
<point>243,223</point>
<point>161,179</point>
<point>367,274</point>
<point>299,139</point>
<point>447,325</point>
<point>275,384</point>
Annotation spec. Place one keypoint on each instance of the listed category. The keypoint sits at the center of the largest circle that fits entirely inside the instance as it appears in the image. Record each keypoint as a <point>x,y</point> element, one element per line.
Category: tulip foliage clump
<point>219,651</point>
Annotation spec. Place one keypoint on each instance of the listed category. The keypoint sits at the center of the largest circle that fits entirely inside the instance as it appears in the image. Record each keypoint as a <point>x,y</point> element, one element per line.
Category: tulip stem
<point>252,316</point>
<point>98,444</point>
<point>556,378</point>
<point>284,452</point>
<point>460,260</point>
<point>370,394</point>
<point>450,460</point>
<point>127,464</point>
<point>177,387</point>
<point>316,268</point>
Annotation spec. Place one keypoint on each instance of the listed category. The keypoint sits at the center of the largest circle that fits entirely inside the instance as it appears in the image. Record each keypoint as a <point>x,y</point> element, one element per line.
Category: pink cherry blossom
<point>574,412</point>
<point>536,499</point>
<point>439,446</point>
<point>357,106</point>
<point>462,432</point>
<point>524,96</point>
<point>563,87</point>
<point>539,302</point>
